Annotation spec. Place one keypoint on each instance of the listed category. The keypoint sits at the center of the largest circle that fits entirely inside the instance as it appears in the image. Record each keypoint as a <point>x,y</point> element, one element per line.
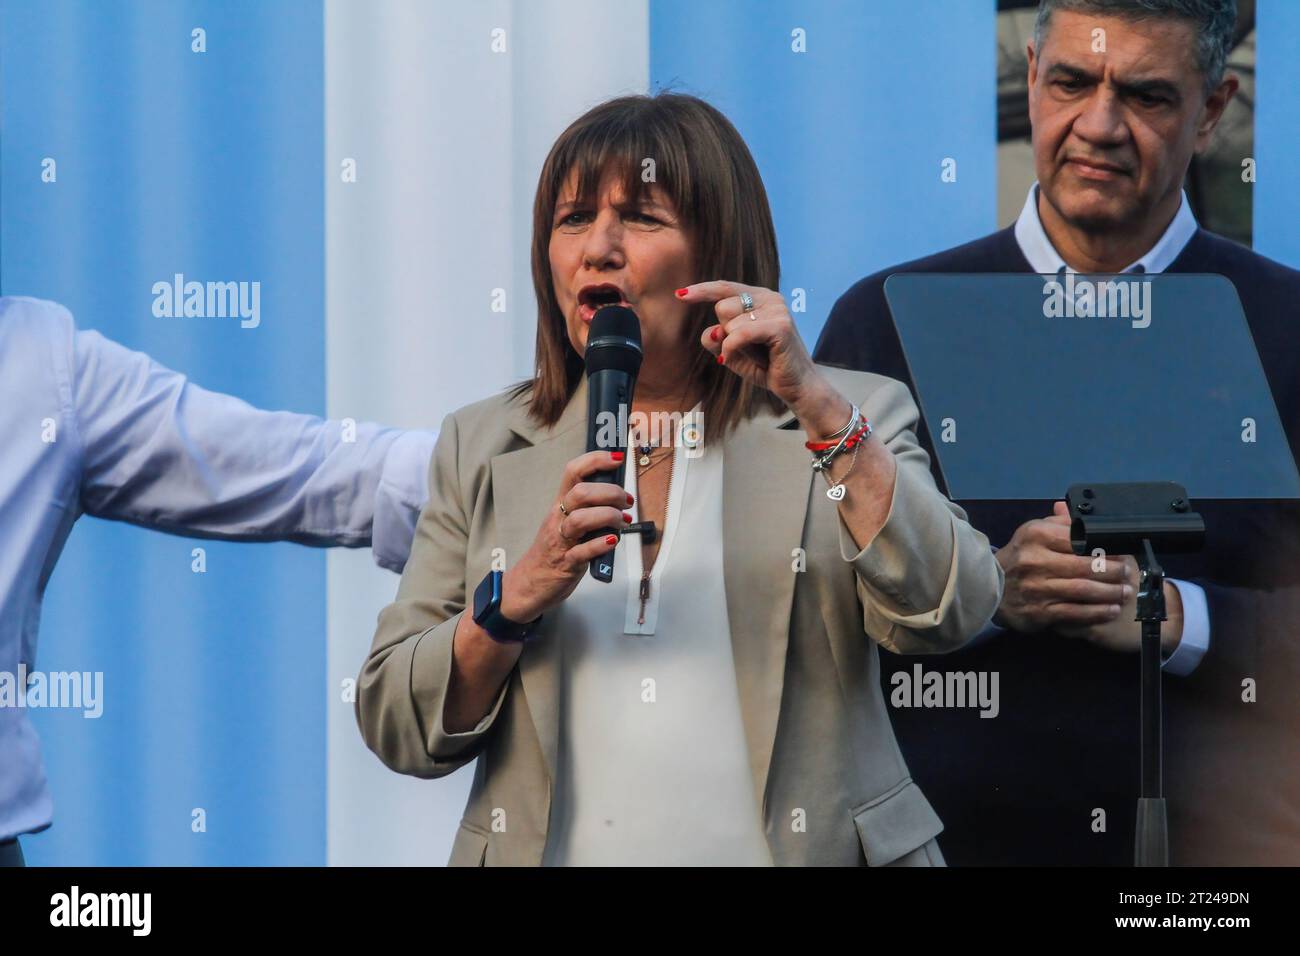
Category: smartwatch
<point>487,612</point>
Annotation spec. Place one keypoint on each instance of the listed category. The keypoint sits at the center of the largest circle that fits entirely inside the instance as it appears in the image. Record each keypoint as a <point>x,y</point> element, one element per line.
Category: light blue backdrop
<point>850,135</point>
<point>207,164</point>
<point>1277,131</point>
<point>212,165</point>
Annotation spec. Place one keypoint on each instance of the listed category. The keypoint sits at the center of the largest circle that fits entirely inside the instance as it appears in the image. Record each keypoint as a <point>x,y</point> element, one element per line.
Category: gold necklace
<point>645,463</point>
<point>643,453</point>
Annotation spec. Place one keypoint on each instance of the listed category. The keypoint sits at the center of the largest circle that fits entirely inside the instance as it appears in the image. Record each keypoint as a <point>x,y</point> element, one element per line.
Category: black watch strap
<point>487,612</point>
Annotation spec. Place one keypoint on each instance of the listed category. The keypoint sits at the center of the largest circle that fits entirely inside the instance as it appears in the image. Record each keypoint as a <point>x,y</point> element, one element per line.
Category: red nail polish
<point>681,293</point>
<point>721,360</point>
<point>611,539</point>
<point>629,499</point>
<point>616,455</point>
<point>627,518</point>
<point>714,333</point>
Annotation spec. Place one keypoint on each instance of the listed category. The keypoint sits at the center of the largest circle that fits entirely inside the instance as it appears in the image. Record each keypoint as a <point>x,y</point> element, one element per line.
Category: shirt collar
<point>1044,259</point>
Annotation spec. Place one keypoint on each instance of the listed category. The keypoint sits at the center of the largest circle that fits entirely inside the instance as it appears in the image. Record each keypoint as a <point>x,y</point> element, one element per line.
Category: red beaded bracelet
<point>848,442</point>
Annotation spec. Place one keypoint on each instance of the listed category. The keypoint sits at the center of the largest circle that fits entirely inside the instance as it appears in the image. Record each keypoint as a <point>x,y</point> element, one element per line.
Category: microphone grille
<point>614,340</point>
<point>615,321</point>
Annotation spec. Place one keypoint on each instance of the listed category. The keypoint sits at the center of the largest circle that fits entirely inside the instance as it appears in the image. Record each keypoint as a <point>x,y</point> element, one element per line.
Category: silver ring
<point>563,510</point>
<point>746,302</point>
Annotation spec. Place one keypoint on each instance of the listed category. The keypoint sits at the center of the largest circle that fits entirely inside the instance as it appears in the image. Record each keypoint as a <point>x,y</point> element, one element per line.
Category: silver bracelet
<point>825,458</point>
<point>846,428</point>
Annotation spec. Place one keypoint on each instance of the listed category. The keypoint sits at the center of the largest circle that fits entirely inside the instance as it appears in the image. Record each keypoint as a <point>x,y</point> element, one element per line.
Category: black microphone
<point>613,359</point>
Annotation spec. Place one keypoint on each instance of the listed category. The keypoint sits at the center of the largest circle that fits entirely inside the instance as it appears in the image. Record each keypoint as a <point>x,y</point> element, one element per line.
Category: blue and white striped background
<point>222,690</point>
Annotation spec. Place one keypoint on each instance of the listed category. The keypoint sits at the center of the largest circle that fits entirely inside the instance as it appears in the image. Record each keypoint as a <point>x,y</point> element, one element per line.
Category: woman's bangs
<point>625,150</point>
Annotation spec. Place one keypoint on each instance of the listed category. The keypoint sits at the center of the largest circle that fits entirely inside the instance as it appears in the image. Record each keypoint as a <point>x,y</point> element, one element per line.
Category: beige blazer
<point>828,775</point>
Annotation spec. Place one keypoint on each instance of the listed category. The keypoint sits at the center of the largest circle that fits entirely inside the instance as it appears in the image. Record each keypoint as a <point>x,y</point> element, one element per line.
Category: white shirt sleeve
<point>402,494</point>
<point>164,453</point>
<point>1195,640</point>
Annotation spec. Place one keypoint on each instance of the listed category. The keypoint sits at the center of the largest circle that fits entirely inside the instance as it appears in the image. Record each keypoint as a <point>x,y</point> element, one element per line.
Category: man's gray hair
<point>1214,21</point>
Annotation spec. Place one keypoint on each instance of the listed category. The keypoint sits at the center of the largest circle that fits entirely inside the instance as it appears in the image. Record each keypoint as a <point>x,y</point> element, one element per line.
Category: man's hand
<point>1049,587</point>
<point>1124,633</point>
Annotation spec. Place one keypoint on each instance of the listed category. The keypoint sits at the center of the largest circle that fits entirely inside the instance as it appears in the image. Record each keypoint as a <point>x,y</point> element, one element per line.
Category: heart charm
<point>835,492</point>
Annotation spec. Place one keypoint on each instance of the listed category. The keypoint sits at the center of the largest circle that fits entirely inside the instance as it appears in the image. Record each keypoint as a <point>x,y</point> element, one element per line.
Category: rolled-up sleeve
<point>400,497</point>
<point>403,684</point>
<point>928,581</point>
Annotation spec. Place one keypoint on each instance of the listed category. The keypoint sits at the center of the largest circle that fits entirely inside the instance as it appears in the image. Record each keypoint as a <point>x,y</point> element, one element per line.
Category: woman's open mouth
<point>594,297</point>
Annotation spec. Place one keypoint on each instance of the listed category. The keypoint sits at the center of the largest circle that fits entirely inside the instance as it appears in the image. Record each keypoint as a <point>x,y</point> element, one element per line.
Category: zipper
<point>645,575</point>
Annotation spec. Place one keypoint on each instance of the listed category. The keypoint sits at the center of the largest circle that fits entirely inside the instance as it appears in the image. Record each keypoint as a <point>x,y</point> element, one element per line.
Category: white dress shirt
<point>653,765</point>
<point>1044,259</point>
<point>93,428</point>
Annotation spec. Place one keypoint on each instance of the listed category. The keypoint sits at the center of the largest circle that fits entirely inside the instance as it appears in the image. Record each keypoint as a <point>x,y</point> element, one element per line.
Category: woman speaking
<point>718,702</point>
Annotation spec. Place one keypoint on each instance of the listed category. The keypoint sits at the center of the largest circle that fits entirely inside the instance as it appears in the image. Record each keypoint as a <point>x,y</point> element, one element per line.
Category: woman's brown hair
<point>701,164</point>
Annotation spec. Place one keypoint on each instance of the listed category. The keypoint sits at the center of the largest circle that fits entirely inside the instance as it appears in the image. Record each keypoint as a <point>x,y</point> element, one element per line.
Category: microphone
<point>612,359</point>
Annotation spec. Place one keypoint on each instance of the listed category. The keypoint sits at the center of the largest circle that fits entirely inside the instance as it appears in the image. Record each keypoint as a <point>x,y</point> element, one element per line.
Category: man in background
<point>1114,131</point>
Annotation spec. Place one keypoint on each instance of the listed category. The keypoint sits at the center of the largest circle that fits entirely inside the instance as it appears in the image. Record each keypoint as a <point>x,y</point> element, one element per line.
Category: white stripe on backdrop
<point>448,138</point>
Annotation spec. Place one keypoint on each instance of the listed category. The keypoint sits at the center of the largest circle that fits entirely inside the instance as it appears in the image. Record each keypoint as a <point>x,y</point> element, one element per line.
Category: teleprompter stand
<point>1138,519</point>
<point>1022,402</point>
